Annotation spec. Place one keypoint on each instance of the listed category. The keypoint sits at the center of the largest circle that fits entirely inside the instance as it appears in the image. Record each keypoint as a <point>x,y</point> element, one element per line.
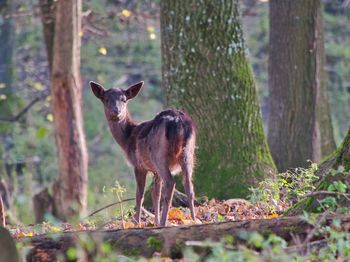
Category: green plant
<point>288,187</point>
<point>154,243</point>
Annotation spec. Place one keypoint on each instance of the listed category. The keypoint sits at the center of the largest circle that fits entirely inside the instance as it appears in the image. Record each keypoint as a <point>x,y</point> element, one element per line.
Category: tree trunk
<point>48,11</point>
<point>7,38</point>
<point>66,90</point>
<point>206,73</point>
<point>299,122</point>
<point>171,238</point>
<point>8,99</point>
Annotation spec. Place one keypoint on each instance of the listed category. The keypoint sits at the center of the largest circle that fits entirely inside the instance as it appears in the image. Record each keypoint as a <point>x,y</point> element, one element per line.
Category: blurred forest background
<point>120,46</point>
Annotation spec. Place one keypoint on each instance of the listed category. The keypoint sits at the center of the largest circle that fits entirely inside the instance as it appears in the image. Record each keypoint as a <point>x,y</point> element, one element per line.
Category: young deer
<point>163,146</point>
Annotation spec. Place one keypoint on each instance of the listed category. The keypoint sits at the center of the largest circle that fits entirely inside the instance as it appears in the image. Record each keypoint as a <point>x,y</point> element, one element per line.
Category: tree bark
<point>7,40</point>
<point>299,122</point>
<point>8,98</point>
<point>206,73</point>
<point>171,238</point>
<point>66,90</point>
<point>48,11</point>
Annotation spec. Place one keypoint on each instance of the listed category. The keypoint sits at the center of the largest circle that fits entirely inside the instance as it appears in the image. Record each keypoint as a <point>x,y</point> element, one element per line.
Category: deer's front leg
<point>156,195</point>
<point>140,176</point>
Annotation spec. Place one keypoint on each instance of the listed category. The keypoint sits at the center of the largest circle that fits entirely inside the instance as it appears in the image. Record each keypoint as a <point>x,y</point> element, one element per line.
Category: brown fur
<point>163,146</point>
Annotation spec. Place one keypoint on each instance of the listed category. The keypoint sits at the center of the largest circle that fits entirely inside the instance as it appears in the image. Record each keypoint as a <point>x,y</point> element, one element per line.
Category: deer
<point>163,146</point>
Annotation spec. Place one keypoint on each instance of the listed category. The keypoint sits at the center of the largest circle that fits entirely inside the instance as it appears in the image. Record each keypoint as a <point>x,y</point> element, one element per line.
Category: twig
<point>315,245</point>
<point>323,192</point>
<point>147,212</point>
<point>2,213</point>
<point>316,227</point>
<point>112,204</point>
<point>20,114</point>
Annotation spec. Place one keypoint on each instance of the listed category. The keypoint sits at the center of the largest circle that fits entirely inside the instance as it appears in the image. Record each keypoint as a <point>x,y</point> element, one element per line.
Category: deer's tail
<point>181,133</point>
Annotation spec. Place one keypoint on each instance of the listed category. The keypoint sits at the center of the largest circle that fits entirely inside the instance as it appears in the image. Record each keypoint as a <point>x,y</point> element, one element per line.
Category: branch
<point>327,193</point>
<point>311,234</point>
<point>306,248</point>
<point>112,204</point>
<point>20,114</point>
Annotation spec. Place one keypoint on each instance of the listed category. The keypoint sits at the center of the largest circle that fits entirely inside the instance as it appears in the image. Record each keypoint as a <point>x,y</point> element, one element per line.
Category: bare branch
<point>20,114</point>
<point>327,193</point>
<point>112,204</point>
<point>317,226</point>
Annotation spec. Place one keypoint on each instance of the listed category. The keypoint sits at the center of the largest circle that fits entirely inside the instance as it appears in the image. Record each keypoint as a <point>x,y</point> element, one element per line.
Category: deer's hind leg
<point>140,176</point>
<point>187,164</point>
<point>167,191</point>
<point>156,196</point>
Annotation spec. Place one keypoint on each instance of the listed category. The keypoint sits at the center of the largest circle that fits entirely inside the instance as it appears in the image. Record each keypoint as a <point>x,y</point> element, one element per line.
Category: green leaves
<point>155,243</point>
<point>289,186</point>
<point>337,186</point>
<point>41,132</point>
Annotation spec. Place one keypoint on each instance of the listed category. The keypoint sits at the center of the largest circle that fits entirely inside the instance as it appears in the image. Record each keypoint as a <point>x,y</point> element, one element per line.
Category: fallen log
<point>169,239</point>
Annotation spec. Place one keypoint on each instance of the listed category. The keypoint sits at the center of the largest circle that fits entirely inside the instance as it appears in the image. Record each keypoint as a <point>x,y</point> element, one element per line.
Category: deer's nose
<point>116,110</point>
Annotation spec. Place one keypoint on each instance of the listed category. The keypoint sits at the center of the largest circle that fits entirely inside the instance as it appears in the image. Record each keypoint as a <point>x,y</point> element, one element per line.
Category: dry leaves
<point>212,211</point>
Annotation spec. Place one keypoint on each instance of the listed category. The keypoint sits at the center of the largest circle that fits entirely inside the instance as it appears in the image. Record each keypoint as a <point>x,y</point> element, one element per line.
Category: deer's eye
<point>123,99</point>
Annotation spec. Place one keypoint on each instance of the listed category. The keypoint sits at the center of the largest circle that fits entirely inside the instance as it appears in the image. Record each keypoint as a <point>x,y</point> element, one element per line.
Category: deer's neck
<point>121,130</point>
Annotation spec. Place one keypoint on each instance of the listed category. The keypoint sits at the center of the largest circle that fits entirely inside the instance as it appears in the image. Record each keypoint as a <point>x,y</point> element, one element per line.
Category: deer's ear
<point>133,90</point>
<point>97,89</point>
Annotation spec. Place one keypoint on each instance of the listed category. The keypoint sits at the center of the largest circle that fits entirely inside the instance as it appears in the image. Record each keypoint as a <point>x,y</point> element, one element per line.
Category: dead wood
<point>171,239</point>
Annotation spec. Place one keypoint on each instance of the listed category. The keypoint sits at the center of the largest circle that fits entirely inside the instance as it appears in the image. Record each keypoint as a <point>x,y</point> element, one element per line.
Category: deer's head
<point>115,99</point>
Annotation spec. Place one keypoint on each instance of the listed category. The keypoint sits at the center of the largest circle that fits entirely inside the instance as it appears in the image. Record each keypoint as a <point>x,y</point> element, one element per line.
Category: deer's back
<point>162,139</point>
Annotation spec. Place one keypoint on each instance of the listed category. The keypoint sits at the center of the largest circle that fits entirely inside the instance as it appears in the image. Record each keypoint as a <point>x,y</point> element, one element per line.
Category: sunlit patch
<point>152,36</point>
<point>102,50</point>
<point>150,29</point>
<point>49,117</point>
<point>126,13</point>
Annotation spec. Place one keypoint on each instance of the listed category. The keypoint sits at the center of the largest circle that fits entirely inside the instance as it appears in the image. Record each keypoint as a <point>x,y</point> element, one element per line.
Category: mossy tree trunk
<point>70,189</point>
<point>7,40</point>
<point>9,99</point>
<point>7,72</point>
<point>299,122</point>
<point>206,73</point>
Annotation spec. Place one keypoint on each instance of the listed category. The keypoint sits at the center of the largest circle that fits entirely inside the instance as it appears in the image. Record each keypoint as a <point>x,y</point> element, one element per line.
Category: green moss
<point>347,162</point>
<point>154,243</point>
<point>132,252</point>
<point>176,250</point>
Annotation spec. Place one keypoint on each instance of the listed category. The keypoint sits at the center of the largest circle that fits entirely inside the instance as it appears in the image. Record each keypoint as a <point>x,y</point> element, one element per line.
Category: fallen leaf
<point>54,228</point>
<point>128,224</point>
<point>273,215</point>
<point>176,215</point>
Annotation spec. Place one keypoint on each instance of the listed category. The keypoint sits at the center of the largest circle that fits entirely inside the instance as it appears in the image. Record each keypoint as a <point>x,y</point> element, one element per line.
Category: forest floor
<point>229,228</point>
<point>212,211</point>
